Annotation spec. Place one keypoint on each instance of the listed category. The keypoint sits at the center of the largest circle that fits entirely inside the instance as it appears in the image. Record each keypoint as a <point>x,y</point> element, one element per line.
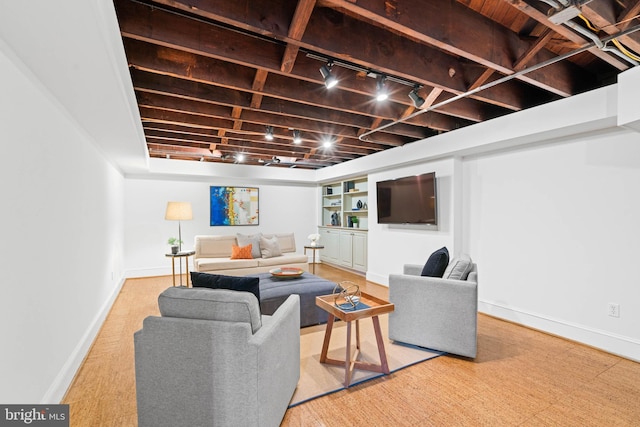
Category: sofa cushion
<point>254,240</point>
<point>219,281</point>
<point>284,259</point>
<point>244,252</point>
<point>437,263</point>
<point>287,241</point>
<point>205,264</point>
<point>459,268</point>
<point>270,247</point>
<point>210,304</point>
<point>214,246</point>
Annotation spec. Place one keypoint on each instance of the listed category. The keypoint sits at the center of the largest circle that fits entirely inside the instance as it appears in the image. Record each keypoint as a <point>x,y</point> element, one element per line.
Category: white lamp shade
<point>178,211</point>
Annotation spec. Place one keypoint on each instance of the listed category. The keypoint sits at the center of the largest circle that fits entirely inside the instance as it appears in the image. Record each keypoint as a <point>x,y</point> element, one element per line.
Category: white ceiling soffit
<point>69,46</point>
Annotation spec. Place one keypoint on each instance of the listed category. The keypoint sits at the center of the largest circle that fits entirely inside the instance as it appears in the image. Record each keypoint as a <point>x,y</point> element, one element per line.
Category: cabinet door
<point>360,251</point>
<point>331,242</point>
<point>346,248</point>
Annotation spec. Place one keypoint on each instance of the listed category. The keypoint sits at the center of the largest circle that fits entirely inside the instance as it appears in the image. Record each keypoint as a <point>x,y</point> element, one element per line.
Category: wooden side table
<point>180,255</point>
<point>313,249</point>
<point>376,307</point>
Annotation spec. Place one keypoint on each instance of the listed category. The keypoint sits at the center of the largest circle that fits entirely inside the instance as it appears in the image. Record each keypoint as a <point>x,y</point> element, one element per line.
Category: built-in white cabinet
<point>344,221</point>
<point>344,247</point>
<point>330,239</point>
<point>359,251</point>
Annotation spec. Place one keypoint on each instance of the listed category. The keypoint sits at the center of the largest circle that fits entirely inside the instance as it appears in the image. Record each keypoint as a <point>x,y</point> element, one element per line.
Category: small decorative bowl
<point>286,272</point>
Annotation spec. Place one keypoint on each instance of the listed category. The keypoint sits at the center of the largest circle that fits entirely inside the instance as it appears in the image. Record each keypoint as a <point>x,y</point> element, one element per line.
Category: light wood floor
<point>521,377</point>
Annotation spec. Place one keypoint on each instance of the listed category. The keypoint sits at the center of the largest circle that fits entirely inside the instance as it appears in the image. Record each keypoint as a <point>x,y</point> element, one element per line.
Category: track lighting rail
<point>365,136</point>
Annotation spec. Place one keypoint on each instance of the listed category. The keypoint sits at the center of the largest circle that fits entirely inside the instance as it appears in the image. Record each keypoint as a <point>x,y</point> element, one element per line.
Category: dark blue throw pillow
<point>437,263</point>
<point>218,281</point>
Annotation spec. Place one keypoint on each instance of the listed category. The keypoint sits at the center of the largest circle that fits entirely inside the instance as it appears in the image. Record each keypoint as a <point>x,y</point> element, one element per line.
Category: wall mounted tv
<point>408,200</point>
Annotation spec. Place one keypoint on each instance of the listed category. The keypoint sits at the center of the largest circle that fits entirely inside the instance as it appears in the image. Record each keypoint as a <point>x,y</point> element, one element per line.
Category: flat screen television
<point>408,200</point>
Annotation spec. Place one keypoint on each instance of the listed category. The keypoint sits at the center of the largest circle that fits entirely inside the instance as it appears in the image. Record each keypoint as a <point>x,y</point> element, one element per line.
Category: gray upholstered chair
<point>440,314</point>
<point>213,360</point>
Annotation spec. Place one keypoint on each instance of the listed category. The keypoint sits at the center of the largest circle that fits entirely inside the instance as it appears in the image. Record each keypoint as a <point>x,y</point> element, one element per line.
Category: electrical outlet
<point>614,310</point>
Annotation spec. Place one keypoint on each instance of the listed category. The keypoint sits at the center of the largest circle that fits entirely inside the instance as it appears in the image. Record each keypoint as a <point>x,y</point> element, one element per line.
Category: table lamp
<point>178,211</point>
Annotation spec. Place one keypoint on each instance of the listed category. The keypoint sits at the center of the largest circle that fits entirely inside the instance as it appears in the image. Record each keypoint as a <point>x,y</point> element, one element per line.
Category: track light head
<point>240,157</point>
<point>381,89</point>
<point>415,97</point>
<point>275,160</point>
<point>329,79</point>
<point>268,135</point>
<point>297,138</point>
<point>327,142</point>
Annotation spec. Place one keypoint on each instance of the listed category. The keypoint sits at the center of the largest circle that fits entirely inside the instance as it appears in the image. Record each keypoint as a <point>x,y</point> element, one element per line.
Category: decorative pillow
<point>210,304</point>
<point>219,281</point>
<point>254,240</point>
<point>437,263</point>
<point>459,268</point>
<point>270,247</point>
<point>238,252</point>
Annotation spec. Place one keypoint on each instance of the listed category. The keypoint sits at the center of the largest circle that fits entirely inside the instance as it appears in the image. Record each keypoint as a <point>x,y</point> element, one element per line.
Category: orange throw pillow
<point>243,252</point>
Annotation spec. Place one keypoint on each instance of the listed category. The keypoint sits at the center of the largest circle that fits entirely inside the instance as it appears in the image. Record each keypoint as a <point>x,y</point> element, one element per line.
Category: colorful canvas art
<point>234,206</point>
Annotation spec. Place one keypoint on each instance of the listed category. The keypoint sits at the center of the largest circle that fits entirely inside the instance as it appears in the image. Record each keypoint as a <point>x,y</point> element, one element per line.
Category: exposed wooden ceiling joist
<point>213,75</point>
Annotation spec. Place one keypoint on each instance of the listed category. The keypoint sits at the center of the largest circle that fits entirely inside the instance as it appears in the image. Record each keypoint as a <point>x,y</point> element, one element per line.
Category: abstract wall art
<point>234,206</point>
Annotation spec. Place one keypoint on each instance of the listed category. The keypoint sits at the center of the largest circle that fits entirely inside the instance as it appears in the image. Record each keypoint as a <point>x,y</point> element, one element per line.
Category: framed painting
<point>234,206</point>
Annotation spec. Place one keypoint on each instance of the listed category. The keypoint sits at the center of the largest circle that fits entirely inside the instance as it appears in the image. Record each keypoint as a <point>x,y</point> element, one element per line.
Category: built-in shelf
<point>344,200</point>
<point>345,242</point>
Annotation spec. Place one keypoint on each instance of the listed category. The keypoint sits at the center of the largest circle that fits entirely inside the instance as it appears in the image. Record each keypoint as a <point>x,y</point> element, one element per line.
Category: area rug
<point>319,379</point>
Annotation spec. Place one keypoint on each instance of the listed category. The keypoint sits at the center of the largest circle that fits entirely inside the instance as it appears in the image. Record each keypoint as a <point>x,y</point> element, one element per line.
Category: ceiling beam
<point>186,65</point>
<point>196,91</point>
<point>296,30</point>
<point>142,22</point>
<point>447,25</point>
<point>566,32</point>
<point>602,14</point>
<point>214,116</point>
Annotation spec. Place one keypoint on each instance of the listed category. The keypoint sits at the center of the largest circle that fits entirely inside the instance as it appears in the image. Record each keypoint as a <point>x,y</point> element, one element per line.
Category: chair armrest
<point>278,354</point>
<point>280,322</point>
<point>413,269</point>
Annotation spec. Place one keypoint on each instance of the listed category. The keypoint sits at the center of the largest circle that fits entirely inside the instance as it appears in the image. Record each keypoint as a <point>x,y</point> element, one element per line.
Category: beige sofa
<point>213,255</point>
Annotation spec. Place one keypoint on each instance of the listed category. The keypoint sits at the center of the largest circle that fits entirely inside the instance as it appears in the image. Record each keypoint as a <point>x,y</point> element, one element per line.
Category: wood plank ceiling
<point>212,76</point>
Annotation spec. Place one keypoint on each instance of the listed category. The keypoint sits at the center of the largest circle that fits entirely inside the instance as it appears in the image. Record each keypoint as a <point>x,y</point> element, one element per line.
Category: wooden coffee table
<point>376,307</point>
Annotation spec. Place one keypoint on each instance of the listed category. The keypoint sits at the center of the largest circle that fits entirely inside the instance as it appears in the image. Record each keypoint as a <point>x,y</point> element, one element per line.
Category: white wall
<point>544,201</point>
<point>392,246</point>
<point>62,231</point>
<point>555,231</point>
<point>283,208</point>
<point>628,90</point>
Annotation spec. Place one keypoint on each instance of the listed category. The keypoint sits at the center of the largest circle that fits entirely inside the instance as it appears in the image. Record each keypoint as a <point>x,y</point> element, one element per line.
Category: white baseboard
<point>381,279</point>
<point>626,347</point>
<point>149,272</point>
<point>65,377</point>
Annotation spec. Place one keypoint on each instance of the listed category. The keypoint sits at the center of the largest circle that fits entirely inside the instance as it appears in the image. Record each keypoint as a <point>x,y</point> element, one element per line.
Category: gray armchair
<point>440,314</point>
<point>213,360</point>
